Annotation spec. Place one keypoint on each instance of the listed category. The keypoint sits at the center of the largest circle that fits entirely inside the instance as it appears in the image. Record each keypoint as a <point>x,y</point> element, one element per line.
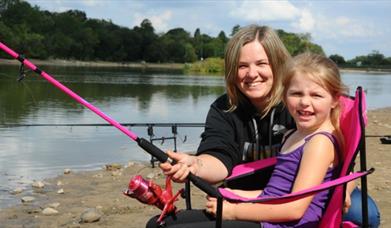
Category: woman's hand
<point>228,208</point>
<point>185,163</point>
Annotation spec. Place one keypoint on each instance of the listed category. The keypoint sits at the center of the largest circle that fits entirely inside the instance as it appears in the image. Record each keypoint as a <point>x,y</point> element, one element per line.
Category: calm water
<point>34,153</point>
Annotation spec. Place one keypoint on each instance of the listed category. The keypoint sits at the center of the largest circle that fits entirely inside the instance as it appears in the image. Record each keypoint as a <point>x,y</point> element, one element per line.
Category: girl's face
<point>309,104</point>
<point>255,76</point>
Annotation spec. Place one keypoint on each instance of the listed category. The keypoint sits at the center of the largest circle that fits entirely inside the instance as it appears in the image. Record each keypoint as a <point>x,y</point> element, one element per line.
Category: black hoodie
<point>231,136</point>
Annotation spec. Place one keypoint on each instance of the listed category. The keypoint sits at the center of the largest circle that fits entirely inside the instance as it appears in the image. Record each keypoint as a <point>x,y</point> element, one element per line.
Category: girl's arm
<point>318,155</point>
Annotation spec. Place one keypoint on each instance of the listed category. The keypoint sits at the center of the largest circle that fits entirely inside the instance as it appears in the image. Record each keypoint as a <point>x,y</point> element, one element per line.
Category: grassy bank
<point>77,63</point>
<point>210,66</point>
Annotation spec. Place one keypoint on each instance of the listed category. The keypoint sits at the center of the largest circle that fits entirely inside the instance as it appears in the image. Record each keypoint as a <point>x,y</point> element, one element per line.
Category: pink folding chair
<point>352,122</point>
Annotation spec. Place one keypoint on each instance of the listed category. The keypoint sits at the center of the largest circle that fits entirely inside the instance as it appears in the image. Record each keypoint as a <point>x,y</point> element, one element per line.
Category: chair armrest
<point>230,196</point>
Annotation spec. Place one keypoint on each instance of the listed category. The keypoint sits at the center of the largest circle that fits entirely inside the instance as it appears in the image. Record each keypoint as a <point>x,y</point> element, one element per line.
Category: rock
<point>60,191</point>
<point>49,211</point>
<point>33,210</point>
<point>130,164</point>
<point>99,175</point>
<point>27,199</point>
<point>67,171</point>
<point>90,215</point>
<point>54,205</point>
<point>113,166</point>
<point>116,173</point>
<point>150,175</point>
<point>16,191</point>
<point>59,183</point>
<point>74,225</point>
<point>38,184</point>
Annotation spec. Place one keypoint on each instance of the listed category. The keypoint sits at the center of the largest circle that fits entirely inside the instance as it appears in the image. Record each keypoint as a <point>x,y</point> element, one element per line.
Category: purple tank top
<point>281,183</point>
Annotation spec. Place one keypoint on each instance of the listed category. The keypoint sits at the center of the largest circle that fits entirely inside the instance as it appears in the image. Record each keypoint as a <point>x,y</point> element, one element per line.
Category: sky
<point>347,28</point>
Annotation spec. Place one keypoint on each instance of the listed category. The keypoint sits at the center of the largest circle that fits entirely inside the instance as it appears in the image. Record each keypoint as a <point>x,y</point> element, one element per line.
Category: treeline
<point>71,35</point>
<point>372,60</point>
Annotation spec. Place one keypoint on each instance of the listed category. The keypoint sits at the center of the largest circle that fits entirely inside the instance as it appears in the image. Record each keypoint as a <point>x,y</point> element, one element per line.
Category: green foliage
<point>207,66</point>
<point>372,60</point>
<point>299,43</point>
<point>337,59</point>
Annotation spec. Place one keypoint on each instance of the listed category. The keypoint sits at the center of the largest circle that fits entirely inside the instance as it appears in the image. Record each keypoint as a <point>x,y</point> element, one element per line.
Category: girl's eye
<point>294,94</point>
<point>318,95</point>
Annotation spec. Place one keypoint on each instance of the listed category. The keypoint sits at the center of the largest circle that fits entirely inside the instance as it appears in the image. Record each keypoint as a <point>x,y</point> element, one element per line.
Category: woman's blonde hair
<point>324,72</point>
<point>277,55</point>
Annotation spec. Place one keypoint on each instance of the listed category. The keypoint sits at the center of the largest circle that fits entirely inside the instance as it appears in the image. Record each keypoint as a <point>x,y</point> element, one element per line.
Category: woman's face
<point>255,76</point>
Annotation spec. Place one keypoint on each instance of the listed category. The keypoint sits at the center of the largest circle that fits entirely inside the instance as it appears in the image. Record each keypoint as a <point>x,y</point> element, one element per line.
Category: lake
<point>34,153</point>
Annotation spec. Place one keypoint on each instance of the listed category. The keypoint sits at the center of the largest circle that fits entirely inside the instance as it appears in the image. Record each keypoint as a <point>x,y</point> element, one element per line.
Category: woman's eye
<point>262,63</point>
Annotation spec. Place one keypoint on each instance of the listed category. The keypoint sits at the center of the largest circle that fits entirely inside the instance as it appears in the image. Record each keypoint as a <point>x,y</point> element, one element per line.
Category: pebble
<point>16,191</point>
<point>151,175</point>
<point>54,205</point>
<point>27,199</point>
<point>116,173</point>
<point>49,211</point>
<point>67,171</point>
<point>60,191</point>
<point>113,166</point>
<point>59,183</point>
<point>38,184</point>
<point>33,210</point>
<point>90,215</point>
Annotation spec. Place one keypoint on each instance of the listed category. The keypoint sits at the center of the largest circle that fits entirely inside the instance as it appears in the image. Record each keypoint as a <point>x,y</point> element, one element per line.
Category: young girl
<point>309,156</point>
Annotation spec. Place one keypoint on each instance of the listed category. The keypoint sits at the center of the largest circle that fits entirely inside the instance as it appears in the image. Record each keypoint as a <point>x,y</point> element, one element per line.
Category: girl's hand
<point>228,208</point>
<point>347,203</point>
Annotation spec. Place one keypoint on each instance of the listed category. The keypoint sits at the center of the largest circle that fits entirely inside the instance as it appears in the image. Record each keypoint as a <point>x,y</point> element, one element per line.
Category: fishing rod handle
<point>163,157</point>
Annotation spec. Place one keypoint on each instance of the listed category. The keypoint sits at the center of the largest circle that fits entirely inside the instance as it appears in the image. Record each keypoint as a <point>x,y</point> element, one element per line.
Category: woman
<point>249,121</point>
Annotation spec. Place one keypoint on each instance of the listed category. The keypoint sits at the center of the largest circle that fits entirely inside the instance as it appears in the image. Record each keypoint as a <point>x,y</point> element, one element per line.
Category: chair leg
<point>187,195</point>
<point>219,212</point>
<point>363,166</point>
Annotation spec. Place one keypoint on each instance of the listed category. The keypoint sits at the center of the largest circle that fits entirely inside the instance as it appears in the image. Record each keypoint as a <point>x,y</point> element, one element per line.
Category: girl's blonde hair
<point>324,72</point>
<point>277,55</point>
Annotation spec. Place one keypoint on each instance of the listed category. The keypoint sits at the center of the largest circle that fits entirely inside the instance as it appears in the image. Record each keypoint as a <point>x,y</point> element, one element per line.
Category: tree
<point>337,59</point>
<point>148,35</point>
<point>235,29</point>
<point>198,44</point>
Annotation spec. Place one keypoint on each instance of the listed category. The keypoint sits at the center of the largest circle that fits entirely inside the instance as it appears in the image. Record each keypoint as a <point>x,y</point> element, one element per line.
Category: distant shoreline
<point>145,65</point>
<point>77,63</point>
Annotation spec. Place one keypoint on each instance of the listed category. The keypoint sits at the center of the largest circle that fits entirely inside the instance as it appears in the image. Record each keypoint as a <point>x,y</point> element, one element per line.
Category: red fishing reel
<point>150,193</point>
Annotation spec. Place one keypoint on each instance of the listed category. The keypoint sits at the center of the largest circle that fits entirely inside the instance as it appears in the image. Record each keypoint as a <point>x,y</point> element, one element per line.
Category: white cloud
<point>265,10</point>
<point>269,11</point>
<point>91,3</point>
<point>306,21</point>
<point>344,27</point>
<point>159,20</point>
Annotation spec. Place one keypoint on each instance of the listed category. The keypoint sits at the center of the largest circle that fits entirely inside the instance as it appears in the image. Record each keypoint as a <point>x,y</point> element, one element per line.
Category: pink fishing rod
<point>143,143</point>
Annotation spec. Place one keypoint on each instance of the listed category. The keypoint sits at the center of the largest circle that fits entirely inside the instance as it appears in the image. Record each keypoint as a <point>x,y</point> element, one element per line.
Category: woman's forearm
<point>210,168</point>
